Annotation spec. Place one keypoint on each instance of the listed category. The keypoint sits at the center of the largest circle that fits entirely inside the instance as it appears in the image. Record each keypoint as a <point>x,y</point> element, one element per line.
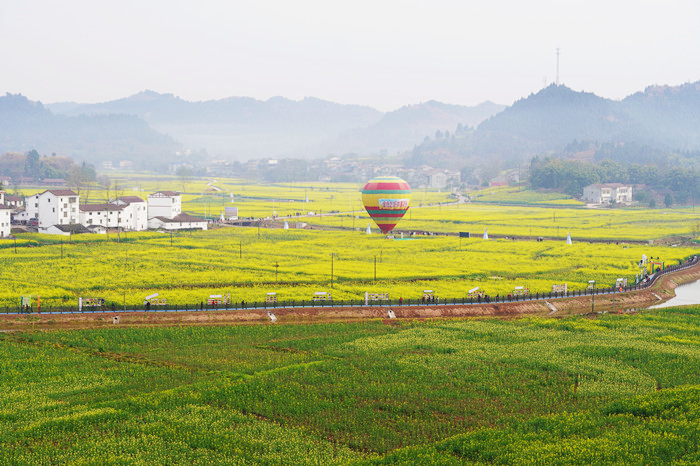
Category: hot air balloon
<point>386,199</point>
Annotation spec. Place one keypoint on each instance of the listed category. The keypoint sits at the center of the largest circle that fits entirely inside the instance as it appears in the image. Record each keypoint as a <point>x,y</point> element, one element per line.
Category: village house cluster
<point>59,211</point>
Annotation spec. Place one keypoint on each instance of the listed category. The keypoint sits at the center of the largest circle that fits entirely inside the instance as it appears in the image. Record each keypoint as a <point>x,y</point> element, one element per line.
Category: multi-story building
<point>5,221</point>
<point>104,215</point>
<point>58,207</point>
<point>166,204</point>
<point>134,213</point>
<point>608,193</point>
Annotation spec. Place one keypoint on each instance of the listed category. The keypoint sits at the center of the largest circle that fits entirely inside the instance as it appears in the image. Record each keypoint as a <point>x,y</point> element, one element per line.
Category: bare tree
<point>184,174</point>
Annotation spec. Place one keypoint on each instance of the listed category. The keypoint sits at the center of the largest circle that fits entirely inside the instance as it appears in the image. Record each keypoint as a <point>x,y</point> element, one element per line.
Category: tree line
<point>571,176</point>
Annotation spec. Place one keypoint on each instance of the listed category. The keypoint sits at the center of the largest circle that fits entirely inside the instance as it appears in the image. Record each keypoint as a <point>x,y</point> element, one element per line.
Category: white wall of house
<point>160,224</point>
<point>31,209</point>
<point>53,230</point>
<point>91,218</point>
<point>623,194</point>
<point>134,215</point>
<point>5,221</point>
<point>605,194</point>
<point>164,204</point>
<point>58,207</point>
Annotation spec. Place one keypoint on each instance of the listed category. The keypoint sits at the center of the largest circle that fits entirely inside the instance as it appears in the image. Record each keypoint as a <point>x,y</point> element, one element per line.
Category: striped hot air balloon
<point>386,199</point>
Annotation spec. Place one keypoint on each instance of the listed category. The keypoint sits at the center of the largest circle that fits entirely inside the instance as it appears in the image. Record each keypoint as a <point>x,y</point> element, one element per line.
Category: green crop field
<point>615,389</point>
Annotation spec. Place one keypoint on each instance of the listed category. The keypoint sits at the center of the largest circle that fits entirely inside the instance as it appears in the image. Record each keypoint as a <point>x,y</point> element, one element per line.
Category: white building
<point>58,207</point>
<point>31,209</point>
<point>166,204</point>
<point>105,215</point>
<point>5,221</point>
<point>607,193</point>
<point>14,202</point>
<point>134,214</point>
<point>436,178</point>
<point>179,222</point>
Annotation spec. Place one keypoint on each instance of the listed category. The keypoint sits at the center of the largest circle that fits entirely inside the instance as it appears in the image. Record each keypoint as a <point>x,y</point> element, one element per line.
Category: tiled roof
<point>181,218</point>
<point>74,228</point>
<point>165,193</point>
<point>130,199</point>
<point>99,207</point>
<point>61,192</point>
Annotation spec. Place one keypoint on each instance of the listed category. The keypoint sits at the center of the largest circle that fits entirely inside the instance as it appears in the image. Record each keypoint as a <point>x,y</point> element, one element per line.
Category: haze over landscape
<point>384,55</point>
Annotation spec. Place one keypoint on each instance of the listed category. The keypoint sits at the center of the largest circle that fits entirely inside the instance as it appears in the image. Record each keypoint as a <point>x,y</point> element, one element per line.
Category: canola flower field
<point>614,389</point>
<point>247,263</point>
<point>339,205</point>
<point>187,267</point>
<point>528,213</point>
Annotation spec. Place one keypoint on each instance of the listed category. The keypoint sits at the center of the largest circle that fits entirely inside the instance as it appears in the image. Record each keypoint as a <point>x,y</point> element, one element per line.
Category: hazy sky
<point>383,53</point>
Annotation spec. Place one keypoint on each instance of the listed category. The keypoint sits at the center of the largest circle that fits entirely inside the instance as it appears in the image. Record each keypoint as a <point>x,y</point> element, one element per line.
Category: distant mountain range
<point>662,116</point>
<point>27,125</point>
<point>150,127</point>
<point>242,127</point>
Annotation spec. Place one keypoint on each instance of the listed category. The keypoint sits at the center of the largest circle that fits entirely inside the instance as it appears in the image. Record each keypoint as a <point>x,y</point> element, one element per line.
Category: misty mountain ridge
<point>27,125</point>
<point>410,125</point>
<point>151,127</point>
<point>664,117</point>
<point>167,109</point>
<point>242,127</point>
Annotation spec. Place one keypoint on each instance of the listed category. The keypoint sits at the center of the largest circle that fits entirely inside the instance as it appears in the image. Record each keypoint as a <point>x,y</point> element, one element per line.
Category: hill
<point>239,127</point>
<point>410,125</point>
<point>27,125</point>
<point>243,127</point>
<point>663,117</point>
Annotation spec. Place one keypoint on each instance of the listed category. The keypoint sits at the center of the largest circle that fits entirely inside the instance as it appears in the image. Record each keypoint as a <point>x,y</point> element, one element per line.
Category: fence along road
<point>695,260</point>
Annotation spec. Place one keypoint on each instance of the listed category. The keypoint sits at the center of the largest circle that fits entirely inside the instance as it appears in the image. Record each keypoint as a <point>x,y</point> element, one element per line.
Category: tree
<point>184,174</point>
<point>31,167</point>
<point>668,200</point>
<point>80,177</point>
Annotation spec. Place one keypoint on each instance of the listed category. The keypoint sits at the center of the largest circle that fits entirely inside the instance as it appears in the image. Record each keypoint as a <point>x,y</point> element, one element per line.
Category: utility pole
<point>276,268</point>
<point>375,268</point>
<point>557,66</point>
<point>332,254</point>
